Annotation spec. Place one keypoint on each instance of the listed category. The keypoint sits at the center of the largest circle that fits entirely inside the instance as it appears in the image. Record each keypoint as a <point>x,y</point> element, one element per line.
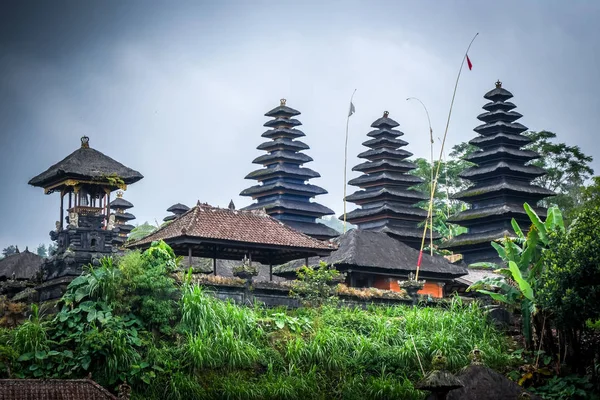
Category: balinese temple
<point>85,181</point>
<point>176,210</point>
<point>283,190</point>
<point>122,218</point>
<point>387,202</point>
<point>501,181</point>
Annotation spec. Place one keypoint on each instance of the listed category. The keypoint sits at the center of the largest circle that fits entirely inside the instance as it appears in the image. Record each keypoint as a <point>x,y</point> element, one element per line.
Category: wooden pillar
<point>107,205</point>
<point>70,200</point>
<point>190,256</point>
<point>62,208</point>
<point>270,271</point>
<point>306,261</point>
<point>215,261</point>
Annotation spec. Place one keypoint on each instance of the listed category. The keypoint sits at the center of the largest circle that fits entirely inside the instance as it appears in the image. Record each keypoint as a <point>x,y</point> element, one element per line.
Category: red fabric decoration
<point>469,63</point>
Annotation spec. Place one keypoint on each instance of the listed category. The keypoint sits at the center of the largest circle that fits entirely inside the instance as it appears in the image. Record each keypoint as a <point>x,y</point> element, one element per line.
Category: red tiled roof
<point>254,227</point>
<point>53,389</point>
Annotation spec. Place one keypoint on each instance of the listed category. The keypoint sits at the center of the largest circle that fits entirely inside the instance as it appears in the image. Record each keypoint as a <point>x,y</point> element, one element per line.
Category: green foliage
<point>41,250</point>
<point>10,250</point>
<point>523,255</point>
<point>571,387</point>
<point>217,349</point>
<point>570,285</point>
<point>316,286</point>
<point>141,231</point>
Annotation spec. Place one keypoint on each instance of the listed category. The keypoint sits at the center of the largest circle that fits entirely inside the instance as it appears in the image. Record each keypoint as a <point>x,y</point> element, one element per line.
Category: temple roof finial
<point>282,102</point>
<point>231,206</point>
<point>120,194</point>
<point>85,142</point>
<point>498,84</point>
<point>386,114</point>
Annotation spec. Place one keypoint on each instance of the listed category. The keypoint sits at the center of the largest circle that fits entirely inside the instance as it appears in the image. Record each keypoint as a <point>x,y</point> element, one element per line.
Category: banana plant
<point>523,256</point>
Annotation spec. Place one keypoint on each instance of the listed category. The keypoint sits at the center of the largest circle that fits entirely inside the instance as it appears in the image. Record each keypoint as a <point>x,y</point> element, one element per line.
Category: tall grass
<point>348,352</point>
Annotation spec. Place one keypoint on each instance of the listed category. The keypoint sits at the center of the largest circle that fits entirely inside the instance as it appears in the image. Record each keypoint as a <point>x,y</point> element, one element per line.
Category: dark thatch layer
<point>374,154</point>
<point>529,171</point>
<point>311,190</point>
<point>24,265</point>
<point>504,210</point>
<point>367,250</point>
<point>392,133</point>
<point>316,230</point>
<point>303,207</point>
<point>385,142</point>
<point>53,389</point>
<point>470,239</point>
<point>498,94</point>
<point>284,156</point>
<point>389,209</point>
<point>178,208</point>
<point>499,105</point>
<point>391,177</point>
<point>282,111</point>
<point>283,170</point>
<point>535,192</point>
<point>387,163</point>
<point>500,138</point>
<point>401,194</point>
<point>504,152</point>
<point>87,164</point>
<point>384,122</point>
<point>283,144</point>
<point>283,133</point>
<point>499,115</point>
<point>120,203</point>
<point>282,122</point>
<point>500,126</point>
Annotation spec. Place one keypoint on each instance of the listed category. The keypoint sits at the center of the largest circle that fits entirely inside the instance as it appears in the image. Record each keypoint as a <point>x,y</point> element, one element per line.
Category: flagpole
<point>350,112</point>
<point>432,191</point>
<point>437,171</point>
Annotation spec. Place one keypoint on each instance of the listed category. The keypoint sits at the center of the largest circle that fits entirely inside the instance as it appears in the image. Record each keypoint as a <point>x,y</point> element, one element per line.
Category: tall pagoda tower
<point>122,217</point>
<point>501,180</point>
<point>386,199</point>
<point>282,188</point>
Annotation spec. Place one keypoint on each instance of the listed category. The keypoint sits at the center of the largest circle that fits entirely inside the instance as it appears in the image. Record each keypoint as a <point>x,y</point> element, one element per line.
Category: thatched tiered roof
<point>282,190</point>
<point>23,266</point>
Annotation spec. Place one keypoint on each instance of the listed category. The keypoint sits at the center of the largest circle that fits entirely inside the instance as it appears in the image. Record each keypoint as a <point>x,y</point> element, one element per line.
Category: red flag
<point>469,63</point>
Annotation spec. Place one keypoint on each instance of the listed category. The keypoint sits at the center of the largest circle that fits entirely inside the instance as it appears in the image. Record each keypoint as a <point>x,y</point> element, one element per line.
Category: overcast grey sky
<point>177,90</point>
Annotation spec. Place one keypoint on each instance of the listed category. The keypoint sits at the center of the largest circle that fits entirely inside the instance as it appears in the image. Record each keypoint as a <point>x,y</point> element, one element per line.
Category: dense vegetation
<point>131,319</point>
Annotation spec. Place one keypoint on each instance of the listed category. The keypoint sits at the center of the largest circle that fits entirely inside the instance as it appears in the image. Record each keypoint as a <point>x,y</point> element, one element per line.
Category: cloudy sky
<point>177,90</point>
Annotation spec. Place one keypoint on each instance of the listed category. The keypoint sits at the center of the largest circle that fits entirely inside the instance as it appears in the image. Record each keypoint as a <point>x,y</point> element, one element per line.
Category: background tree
<point>10,250</point>
<point>567,167</point>
<point>41,250</point>
<point>570,284</point>
<point>51,249</point>
<point>141,231</point>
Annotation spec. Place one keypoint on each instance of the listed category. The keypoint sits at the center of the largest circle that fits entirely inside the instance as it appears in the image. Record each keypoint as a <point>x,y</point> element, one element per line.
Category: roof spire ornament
<point>282,102</point>
<point>498,84</point>
<point>85,142</point>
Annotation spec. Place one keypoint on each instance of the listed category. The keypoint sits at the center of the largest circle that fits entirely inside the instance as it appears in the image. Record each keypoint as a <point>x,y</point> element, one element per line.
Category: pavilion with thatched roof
<point>374,259</point>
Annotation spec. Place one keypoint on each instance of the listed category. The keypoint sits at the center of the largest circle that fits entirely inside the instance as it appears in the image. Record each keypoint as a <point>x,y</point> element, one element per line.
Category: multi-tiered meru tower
<point>121,219</point>
<point>388,204</point>
<point>283,190</point>
<point>501,181</point>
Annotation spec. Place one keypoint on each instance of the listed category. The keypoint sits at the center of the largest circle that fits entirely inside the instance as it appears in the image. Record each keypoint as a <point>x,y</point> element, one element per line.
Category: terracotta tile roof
<point>253,227</point>
<point>53,389</point>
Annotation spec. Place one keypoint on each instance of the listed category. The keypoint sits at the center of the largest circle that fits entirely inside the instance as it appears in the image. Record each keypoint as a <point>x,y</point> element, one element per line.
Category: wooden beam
<point>62,209</point>
<point>190,256</point>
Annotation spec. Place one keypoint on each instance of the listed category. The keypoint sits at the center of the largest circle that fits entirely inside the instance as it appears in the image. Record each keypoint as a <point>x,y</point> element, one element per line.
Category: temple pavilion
<point>282,189</point>
<point>376,259</point>
<point>386,199</point>
<point>501,181</point>
<point>84,180</point>
<point>228,234</point>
